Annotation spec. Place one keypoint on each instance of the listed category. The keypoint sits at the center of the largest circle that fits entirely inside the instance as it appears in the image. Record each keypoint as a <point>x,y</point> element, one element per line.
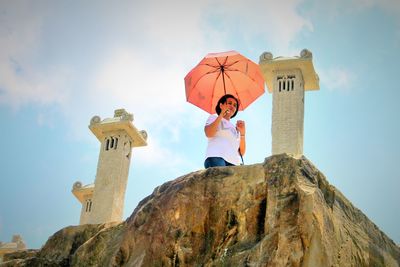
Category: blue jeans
<point>216,161</point>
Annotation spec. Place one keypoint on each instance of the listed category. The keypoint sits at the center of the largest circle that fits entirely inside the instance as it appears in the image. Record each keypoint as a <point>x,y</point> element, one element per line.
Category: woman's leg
<point>214,162</point>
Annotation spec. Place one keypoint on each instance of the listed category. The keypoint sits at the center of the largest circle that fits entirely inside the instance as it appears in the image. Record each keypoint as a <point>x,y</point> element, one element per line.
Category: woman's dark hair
<point>223,100</point>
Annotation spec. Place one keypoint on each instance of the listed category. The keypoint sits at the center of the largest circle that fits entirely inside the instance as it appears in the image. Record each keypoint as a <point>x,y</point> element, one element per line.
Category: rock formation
<point>282,212</point>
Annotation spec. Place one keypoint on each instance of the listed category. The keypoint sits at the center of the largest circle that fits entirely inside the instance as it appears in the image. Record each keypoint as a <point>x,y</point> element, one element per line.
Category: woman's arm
<point>242,146</point>
<point>211,129</point>
<point>241,127</point>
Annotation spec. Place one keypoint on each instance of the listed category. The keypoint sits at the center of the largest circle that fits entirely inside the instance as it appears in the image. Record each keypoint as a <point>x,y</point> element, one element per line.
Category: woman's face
<point>232,105</point>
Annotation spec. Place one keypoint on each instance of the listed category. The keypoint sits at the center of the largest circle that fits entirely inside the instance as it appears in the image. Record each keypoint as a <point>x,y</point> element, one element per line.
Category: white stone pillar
<point>117,136</point>
<point>104,201</point>
<point>85,196</point>
<point>287,78</point>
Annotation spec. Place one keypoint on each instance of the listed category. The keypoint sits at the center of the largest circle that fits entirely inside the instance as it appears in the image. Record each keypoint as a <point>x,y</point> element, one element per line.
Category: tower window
<point>279,78</point>
<point>286,83</point>
<point>88,205</point>
<point>111,142</point>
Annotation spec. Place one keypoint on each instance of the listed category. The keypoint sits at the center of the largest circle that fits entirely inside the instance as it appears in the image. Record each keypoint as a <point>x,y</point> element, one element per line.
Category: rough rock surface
<point>282,212</point>
<point>21,254</point>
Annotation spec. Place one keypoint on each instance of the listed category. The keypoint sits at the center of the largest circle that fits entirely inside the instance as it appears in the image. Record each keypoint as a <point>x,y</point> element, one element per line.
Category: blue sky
<point>62,62</point>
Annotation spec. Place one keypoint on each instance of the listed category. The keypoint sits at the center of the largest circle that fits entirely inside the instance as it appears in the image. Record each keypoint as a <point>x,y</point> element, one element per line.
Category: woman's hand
<point>241,127</point>
<point>225,111</point>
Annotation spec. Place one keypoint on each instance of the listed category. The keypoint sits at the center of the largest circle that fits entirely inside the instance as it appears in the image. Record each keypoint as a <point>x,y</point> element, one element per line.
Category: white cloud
<point>32,87</point>
<point>21,80</point>
<point>149,78</point>
<point>276,22</point>
<point>142,67</point>
<point>20,29</point>
<point>171,35</point>
<point>154,93</point>
<point>391,6</point>
<point>155,152</point>
<point>141,70</point>
<point>333,9</point>
<point>337,79</point>
<point>129,79</point>
<point>176,28</point>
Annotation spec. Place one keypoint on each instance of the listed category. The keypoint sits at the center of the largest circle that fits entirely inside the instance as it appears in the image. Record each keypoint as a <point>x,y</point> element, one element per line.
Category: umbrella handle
<point>241,157</point>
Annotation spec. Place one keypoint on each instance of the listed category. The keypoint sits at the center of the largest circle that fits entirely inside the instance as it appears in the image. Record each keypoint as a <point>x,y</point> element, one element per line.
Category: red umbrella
<point>223,73</point>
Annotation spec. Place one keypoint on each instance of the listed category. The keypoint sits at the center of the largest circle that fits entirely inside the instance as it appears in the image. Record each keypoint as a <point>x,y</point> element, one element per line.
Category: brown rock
<point>279,213</point>
<point>58,249</point>
<point>21,254</point>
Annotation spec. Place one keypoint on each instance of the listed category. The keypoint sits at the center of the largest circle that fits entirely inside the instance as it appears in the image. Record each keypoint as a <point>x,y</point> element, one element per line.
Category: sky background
<point>62,62</point>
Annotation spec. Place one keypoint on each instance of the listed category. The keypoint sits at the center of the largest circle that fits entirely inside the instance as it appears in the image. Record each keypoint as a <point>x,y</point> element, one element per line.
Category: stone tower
<point>287,78</point>
<point>16,244</point>
<point>85,196</point>
<point>104,202</point>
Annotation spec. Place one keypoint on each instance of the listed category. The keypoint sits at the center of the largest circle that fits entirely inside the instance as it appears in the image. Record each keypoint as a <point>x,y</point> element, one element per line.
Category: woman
<point>226,142</point>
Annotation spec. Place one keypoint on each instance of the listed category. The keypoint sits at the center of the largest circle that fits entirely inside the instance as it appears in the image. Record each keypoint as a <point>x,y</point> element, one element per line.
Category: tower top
<point>270,65</point>
<point>122,120</point>
<point>80,191</point>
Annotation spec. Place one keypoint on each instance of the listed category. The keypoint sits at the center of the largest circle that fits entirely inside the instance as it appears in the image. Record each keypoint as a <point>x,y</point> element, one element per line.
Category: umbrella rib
<point>202,76</point>
<point>219,63</point>
<point>233,63</point>
<point>213,91</point>
<point>209,65</point>
<point>246,76</point>
<point>234,87</point>
<point>249,77</point>
<point>235,90</point>
<point>222,68</point>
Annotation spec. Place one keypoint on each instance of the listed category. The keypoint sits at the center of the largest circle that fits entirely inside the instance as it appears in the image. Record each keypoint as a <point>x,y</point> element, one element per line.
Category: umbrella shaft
<point>223,78</point>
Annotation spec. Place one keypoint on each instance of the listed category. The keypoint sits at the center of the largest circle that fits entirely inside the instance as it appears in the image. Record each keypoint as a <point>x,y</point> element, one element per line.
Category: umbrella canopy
<point>223,73</point>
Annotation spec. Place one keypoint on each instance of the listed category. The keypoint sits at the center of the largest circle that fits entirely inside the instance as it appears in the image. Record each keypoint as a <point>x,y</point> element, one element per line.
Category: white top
<point>225,143</point>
